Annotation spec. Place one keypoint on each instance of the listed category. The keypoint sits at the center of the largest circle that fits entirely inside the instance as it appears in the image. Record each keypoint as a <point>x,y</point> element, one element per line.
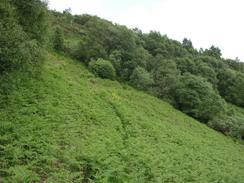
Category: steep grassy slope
<point>71,127</point>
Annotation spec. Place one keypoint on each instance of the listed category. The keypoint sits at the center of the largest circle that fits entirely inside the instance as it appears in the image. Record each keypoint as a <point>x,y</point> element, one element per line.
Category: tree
<point>186,64</point>
<point>231,86</point>
<point>226,80</point>
<point>197,98</point>
<point>141,79</point>
<point>212,62</point>
<point>235,64</point>
<point>187,44</point>
<point>141,57</point>
<point>103,69</point>
<point>59,39</point>
<point>89,49</point>
<point>228,125</point>
<point>213,52</point>
<point>116,59</point>
<point>166,77</point>
<point>237,90</point>
<point>33,17</point>
<point>205,71</point>
<point>11,38</point>
<point>17,52</point>
<point>67,11</point>
<point>68,16</point>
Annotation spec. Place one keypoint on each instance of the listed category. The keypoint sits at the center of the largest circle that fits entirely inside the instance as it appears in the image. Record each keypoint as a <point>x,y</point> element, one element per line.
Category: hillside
<point>199,83</point>
<point>68,126</point>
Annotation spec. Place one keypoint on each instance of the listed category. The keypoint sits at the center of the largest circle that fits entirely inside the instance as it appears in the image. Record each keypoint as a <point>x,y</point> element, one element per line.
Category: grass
<point>68,126</point>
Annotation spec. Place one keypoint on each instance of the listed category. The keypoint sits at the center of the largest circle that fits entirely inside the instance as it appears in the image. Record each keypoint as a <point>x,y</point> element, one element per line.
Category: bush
<point>89,48</point>
<point>102,68</point>
<point>241,131</point>
<point>166,77</point>
<point>197,98</point>
<point>141,79</point>
<point>231,86</point>
<point>17,51</point>
<point>58,39</point>
<point>228,125</point>
<point>205,71</point>
<point>34,18</point>
<point>221,124</point>
<point>12,39</point>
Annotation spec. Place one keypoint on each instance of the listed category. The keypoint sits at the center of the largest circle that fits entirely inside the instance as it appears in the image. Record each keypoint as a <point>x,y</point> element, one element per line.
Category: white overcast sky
<point>205,22</point>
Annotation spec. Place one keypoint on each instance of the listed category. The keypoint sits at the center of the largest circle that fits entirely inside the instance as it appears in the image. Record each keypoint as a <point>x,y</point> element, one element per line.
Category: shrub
<point>58,39</point>
<point>205,71</point>
<point>103,69</point>
<point>116,60</point>
<point>228,125</point>
<point>166,77</point>
<point>221,124</point>
<point>17,51</point>
<point>89,48</point>
<point>231,86</point>
<point>241,131</point>
<point>34,18</point>
<point>141,79</point>
<point>197,98</point>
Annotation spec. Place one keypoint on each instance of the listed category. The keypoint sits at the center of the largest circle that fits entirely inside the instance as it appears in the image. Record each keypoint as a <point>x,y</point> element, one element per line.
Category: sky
<point>204,22</point>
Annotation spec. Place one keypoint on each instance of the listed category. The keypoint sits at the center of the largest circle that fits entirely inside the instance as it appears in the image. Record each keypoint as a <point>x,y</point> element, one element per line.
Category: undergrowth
<point>68,126</point>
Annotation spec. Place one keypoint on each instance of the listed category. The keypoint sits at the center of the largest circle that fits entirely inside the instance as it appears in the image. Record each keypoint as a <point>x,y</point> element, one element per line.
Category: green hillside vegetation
<point>197,82</point>
<point>85,100</point>
<point>69,126</point>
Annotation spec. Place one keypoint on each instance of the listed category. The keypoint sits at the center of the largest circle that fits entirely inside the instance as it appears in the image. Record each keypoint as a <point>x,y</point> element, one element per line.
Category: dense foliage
<point>32,15</point>
<point>58,39</point>
<point>198,82</point>
<point>102,68</point>
<point>23,31</point>
<point>229,125</point>
<point>69,126</point>
<point>196,97</point>
<point>141,79</point>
